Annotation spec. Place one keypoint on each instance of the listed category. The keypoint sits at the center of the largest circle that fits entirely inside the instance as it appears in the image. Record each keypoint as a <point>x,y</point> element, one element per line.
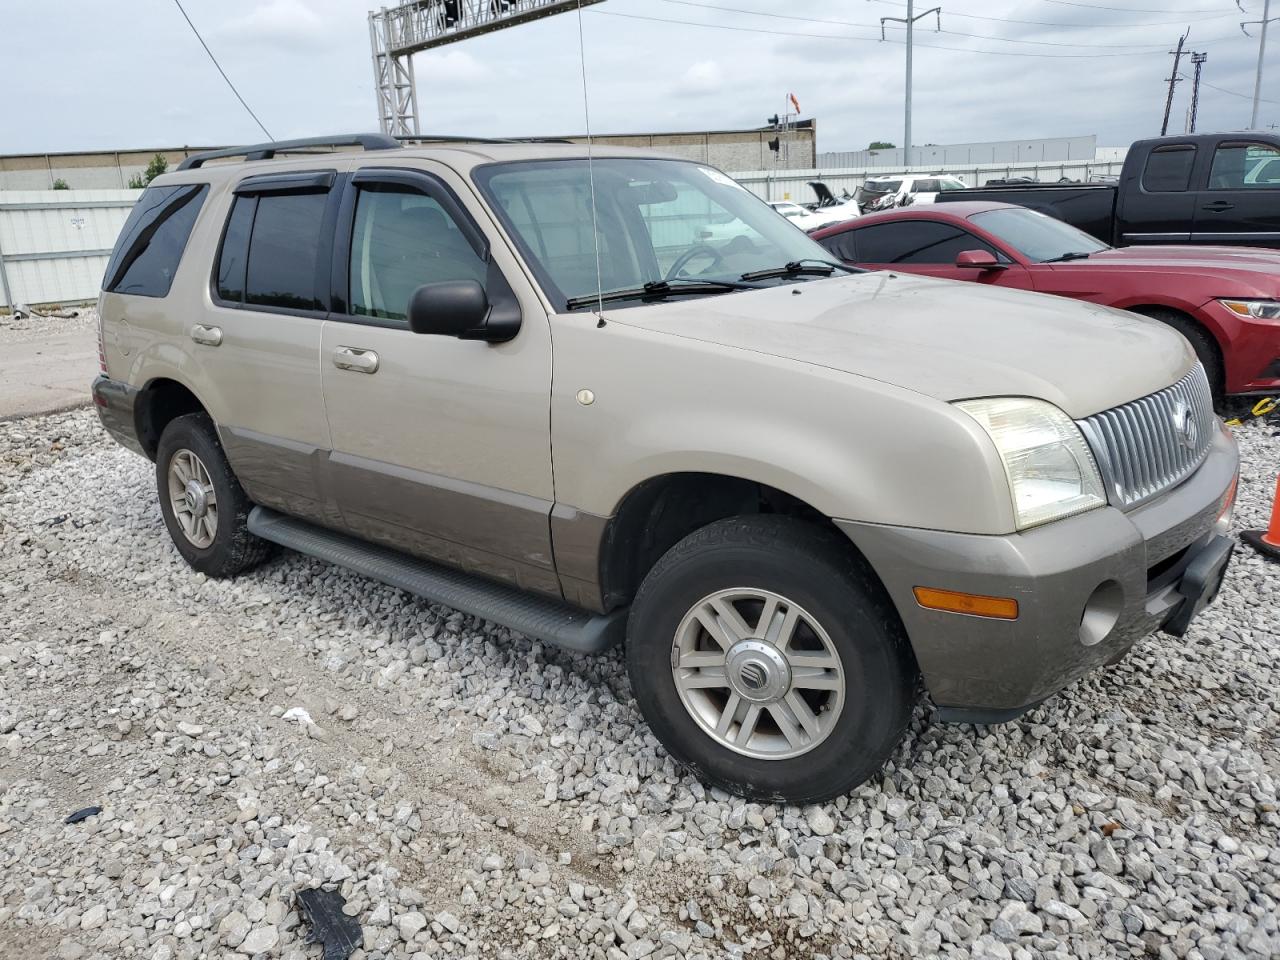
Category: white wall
<point>54,244</point>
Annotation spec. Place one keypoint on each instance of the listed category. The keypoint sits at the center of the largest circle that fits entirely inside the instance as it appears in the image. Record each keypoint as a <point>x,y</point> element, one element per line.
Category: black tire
<point>233,549</point>
<point>1202,342</point>
<point>816,570</point>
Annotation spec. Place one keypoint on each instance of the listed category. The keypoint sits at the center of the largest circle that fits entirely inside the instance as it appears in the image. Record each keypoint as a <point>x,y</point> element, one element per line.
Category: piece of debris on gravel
<point>474,794</point>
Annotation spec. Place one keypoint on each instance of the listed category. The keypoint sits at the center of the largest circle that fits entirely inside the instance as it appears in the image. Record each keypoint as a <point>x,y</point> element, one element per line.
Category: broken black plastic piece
<point>340,934</point>
<point>83,814</point>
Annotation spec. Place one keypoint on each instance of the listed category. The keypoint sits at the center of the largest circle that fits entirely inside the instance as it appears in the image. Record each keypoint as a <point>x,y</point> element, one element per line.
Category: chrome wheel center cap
<point>758,671</point>
<point>197,498</point>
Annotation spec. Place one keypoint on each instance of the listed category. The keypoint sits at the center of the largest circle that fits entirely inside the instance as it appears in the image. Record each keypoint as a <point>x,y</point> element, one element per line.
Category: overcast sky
<point>98,75</point>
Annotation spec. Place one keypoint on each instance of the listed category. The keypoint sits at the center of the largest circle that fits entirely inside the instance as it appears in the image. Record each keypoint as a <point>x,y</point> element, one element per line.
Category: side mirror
<point>979,260</point>
<point>452,308</point>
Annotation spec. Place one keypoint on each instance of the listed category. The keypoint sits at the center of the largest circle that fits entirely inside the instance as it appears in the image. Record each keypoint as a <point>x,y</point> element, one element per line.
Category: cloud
<point>448,68</point>
<point>290,25</point>
<point>705,76</point>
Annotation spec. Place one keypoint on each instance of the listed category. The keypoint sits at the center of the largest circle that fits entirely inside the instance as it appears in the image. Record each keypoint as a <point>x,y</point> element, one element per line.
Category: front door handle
<point>1218,206</point>
<point>354,358</point>
<point>209,336</point>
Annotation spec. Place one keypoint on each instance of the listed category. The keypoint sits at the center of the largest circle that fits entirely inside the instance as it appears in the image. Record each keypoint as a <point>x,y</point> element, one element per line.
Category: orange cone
<point>1267,542</point>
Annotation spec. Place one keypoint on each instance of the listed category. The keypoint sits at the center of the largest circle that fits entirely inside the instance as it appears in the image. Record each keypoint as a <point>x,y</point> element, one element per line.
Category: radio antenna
<point>591,173</point>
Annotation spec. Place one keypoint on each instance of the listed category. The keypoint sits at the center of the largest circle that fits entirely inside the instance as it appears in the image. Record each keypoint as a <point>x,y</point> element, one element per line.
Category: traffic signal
<point>773,144</point>
<point>773,121</point>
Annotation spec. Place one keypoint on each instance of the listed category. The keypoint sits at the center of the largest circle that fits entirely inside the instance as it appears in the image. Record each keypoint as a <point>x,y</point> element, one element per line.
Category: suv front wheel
<point>768,660</point>
<point>204,506</point>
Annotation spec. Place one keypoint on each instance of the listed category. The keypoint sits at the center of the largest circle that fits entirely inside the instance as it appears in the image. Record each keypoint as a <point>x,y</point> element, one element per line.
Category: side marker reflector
<point>974,604</point>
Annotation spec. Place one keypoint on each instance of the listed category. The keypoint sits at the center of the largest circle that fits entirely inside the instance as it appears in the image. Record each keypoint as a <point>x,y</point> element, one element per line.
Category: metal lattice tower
<point>397,33</point>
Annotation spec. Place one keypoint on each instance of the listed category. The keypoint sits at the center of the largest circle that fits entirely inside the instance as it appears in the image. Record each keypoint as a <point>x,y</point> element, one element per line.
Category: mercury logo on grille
<point>1184,424</point>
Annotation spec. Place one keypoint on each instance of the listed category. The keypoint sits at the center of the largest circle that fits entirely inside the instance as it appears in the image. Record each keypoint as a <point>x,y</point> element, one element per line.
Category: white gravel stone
<point>510,795</point>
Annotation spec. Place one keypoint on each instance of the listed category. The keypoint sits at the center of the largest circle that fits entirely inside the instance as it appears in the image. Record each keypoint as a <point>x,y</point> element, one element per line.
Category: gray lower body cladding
<point>537,617</point>
<point>1087,587</point>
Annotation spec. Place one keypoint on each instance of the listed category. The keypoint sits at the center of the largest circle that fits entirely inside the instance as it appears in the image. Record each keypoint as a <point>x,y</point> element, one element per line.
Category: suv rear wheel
<point>769,661</point>
<point>204,506</point>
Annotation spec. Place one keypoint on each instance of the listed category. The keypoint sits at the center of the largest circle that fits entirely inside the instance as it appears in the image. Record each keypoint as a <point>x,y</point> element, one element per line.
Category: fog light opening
<point>1101,613</point>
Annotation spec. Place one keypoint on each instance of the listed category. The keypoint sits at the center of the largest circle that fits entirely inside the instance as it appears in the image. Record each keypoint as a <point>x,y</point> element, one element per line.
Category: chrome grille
<point>1145,447</point>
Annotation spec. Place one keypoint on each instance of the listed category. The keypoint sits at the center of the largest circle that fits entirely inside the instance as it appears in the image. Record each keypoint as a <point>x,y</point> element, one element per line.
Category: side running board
<point>539,618</point>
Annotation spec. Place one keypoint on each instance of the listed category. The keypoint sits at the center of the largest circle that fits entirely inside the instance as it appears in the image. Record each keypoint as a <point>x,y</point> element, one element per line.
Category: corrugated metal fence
<point>54,244</point>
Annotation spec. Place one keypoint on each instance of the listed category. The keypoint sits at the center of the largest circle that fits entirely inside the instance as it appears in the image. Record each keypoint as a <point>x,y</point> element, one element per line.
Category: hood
<point>942,338</point>
<point>1255,268</point>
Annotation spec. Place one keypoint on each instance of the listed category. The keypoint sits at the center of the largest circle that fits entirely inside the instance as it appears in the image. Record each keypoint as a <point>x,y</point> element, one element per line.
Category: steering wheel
<point>697,250</point>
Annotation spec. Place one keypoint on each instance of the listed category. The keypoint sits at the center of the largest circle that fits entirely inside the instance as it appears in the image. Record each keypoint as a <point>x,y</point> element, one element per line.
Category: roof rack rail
<point>265,151</point>
<point>452,138</point>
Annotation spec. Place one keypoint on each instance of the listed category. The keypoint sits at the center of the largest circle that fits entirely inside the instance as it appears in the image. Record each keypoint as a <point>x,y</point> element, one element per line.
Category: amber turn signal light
<point>974,604</point>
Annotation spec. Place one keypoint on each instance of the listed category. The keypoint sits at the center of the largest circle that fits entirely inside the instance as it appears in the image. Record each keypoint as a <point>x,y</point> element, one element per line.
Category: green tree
<point>157,166</point>
<point>881,145</point>
<point>60,184</point>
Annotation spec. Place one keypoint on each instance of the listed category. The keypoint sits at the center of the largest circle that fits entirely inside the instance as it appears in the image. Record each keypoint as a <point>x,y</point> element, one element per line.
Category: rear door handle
<point>209,336</point>
<point>1218,206</point>
<point>356,359</point>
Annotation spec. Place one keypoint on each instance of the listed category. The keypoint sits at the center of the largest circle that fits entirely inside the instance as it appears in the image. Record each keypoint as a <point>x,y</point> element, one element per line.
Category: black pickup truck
<point>1220,188</point>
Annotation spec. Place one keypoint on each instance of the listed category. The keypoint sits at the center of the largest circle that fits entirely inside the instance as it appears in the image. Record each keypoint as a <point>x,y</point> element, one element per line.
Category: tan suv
<point>793,487</point>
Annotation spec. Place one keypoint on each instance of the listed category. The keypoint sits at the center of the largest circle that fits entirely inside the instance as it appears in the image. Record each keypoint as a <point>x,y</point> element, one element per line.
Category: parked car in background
<point>509,378</point>
<point>843,207</point>
<point>1217,188</point>
<point>808,220</point>
<point>1224,300</point>
<point>921,189</point>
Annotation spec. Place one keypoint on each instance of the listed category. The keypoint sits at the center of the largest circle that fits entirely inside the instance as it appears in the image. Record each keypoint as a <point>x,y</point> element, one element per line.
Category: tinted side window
<point>150,246</point>
<point>283,251</point>
<point>925,186</point>
<point>1168,169</point>
<point>1238,166</point>
<point>401,240</point>
<point>235,249</point>
<point>915,241</point>
<point>844,246</point>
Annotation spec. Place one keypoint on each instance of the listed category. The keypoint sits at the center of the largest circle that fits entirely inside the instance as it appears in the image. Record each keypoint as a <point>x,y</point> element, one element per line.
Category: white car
<point>813,219</point>
<point>921,189</point>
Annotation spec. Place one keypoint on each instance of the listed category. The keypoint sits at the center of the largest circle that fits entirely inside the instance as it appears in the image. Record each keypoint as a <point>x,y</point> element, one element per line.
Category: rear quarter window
<point>151,243</point>
<point>1168,169</point>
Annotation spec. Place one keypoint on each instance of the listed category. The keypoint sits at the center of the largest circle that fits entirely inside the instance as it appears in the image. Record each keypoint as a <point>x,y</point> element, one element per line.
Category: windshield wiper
<point>657,289</point>
<point>809,266</point>
<point>1077,255</point>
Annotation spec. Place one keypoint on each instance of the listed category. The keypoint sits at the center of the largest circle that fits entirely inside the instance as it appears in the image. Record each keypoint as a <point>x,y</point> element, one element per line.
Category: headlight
<point>1256,309</point>
<point>1051,470</point>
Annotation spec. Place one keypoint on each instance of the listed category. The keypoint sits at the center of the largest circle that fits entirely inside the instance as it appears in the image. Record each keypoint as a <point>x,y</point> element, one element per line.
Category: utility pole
<point>1198,59</point>
<point>1262,50</point>
<point>1174,79</point>
<point>909,20</point>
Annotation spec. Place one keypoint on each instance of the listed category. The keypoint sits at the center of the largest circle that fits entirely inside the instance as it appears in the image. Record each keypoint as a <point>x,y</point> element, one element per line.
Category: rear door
<point>1156,202</point>
<point>1240,201</point>
<point>441,446</point>
<point>926,247</point>
<point>256,346</point>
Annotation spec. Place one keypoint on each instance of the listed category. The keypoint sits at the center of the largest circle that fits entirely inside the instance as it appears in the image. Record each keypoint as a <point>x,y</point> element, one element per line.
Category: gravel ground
<point>476,795</point>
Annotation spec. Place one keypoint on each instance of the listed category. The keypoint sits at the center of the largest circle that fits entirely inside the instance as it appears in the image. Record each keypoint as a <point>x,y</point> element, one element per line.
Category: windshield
<point>656,220</point>
<point>882,186</point>
<point>1037,236</point>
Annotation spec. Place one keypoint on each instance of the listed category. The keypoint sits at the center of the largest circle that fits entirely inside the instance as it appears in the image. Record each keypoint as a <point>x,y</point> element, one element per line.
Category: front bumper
<point>1087,588</point>
<point>115,402</point>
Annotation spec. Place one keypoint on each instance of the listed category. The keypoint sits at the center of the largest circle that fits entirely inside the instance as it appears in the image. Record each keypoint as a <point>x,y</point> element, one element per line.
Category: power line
<point>221,71</point>
<point>845,38</point>
<point>1098,6</point>
<point>849,23</point>
<point>1233,93</point>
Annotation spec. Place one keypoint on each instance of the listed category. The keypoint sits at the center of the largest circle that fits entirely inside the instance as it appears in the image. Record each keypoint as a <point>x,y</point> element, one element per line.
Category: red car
<point>1224,300</point>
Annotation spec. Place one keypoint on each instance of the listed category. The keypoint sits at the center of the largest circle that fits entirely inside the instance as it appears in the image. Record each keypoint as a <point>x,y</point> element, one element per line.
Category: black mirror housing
<point>459,308</point>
